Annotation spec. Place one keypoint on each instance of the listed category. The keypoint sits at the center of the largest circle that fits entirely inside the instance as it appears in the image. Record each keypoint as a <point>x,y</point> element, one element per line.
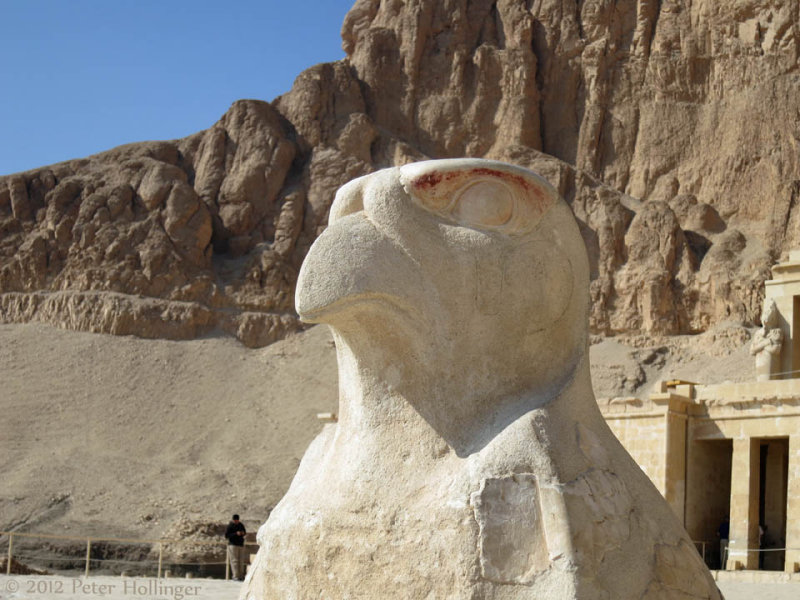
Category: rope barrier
<point>88,558</point>
<point>76,559</point>
<point>785,372</point>
<point>114,560</point>
<point>746,550</point>
<point>100,539</point>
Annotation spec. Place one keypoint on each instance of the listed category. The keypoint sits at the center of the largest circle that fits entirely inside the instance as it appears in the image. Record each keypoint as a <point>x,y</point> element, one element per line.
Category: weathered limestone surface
<point>470,459</point>
<point>669,127</point>
<point>160,239</point>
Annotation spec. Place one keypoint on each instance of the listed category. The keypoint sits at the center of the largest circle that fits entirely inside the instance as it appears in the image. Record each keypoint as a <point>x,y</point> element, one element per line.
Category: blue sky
<point>81,76</point>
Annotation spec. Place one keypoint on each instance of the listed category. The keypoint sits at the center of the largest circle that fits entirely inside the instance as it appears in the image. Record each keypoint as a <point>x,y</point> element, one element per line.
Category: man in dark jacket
<point>236,553</point>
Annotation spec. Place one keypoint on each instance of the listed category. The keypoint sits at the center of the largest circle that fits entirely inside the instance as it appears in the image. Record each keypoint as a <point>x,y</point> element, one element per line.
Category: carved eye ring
<point>480,193</point>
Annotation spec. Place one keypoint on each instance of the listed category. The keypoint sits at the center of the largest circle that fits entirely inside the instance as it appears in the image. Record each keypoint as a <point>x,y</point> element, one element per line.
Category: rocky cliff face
<point>670,127</point>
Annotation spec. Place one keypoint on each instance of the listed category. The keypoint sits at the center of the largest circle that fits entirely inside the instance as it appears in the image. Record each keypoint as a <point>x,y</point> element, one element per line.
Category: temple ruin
<point>731,449</point>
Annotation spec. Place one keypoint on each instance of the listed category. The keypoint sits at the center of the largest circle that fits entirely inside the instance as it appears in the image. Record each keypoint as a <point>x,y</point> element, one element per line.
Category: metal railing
<point>90,540</point>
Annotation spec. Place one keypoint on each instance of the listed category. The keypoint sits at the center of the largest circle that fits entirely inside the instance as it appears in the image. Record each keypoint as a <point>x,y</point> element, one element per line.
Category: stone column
<point>744,505</point>
<point>775,503</point>
<point>675,471</point>
<point>793,506</point>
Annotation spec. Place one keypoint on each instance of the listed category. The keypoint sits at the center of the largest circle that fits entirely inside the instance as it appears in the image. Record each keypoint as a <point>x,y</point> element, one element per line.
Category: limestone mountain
<point>670,127</point>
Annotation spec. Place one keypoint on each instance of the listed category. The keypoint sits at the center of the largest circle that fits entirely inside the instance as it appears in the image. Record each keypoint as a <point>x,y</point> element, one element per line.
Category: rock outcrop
<point>162,239</point>
<point>670,127</point>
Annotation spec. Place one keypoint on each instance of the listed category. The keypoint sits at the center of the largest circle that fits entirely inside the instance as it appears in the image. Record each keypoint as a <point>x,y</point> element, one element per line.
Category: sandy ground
<point>634,366</point>
<point>22,587</point>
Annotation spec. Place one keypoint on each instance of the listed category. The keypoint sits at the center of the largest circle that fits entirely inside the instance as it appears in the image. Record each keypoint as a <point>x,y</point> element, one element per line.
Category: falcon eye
<point>480,193</point>
<point>488,203</point>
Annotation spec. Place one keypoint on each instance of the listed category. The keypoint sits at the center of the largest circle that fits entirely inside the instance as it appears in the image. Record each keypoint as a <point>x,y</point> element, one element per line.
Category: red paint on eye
<point>428,180</point>
<point>518,179</point>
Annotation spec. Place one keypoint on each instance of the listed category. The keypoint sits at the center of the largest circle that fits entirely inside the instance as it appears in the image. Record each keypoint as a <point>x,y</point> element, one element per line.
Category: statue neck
<point>391,391</point>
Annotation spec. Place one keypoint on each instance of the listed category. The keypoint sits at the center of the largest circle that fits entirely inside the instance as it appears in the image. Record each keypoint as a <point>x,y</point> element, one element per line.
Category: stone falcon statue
<point>470,460</point>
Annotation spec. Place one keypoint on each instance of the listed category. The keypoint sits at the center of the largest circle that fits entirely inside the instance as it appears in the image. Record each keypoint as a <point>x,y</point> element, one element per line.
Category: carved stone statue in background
<point>767,343</point>
<point>470,460</point>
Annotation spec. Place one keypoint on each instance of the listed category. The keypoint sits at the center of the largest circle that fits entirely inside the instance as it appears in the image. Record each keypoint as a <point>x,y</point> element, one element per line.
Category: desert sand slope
<point>118,435</point>
<point>124,436</point>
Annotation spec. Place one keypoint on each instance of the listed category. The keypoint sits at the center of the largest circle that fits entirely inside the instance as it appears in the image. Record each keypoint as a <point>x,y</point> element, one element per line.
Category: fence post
<point>88,555</point>
<point>160,557</point>
<point>10,548</point>
<point>227,564</point>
